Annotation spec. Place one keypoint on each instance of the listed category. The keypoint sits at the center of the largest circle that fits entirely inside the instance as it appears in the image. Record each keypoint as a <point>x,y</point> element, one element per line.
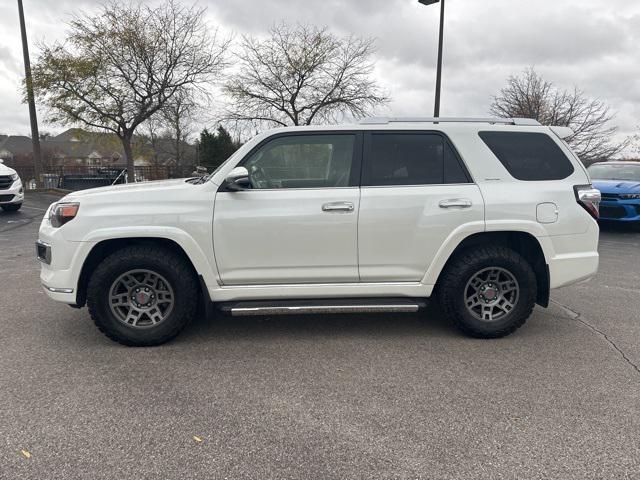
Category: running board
<point>323,306</point>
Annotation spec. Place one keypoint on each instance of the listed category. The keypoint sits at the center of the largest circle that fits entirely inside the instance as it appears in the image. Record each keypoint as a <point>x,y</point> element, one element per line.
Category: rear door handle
<point>455,203</point>
<point>338,207</point>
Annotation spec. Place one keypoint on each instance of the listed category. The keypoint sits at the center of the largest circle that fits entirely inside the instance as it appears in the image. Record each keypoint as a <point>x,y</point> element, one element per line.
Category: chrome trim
<point>338,207</point>
<point>324,309</point>
<point>58,290</point>
<point>455,203</point>
<point>317,285</point>
<point>355,187</point>
<point>592,195</point>
<point>415,185</point>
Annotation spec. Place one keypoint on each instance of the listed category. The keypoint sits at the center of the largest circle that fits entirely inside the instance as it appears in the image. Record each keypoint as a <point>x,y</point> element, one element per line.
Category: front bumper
<point>61,262</point>
<point>620,210</point>
<point>13,194</point>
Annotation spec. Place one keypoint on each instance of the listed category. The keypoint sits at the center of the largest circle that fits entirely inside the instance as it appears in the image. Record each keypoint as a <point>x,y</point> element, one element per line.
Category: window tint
<point>529,156</point>
<point>411,159</point>
<point>302,161</point>
<point>453,171</point>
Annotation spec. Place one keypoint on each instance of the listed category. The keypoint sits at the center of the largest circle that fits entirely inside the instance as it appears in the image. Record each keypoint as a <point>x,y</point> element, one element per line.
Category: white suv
<point>11,189</point>
<point>488,215</point>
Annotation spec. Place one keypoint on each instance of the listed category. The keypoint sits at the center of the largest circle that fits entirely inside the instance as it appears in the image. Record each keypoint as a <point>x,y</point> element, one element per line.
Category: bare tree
<point>151,134</point>
<point>177,117</point>
<point>120,67</point>
<point>530,96</point>
<point>302,75</point>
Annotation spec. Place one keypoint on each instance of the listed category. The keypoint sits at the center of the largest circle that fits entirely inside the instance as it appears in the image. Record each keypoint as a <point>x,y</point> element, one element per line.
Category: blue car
<point>619,183</point>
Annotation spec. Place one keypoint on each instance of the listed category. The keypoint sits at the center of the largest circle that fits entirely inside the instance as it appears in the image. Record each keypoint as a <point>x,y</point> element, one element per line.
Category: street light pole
<point>436,108</point>
<point>35,136</point>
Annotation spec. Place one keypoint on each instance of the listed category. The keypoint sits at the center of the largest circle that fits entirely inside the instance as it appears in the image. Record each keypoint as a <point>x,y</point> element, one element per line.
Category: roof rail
<point>498,121</point>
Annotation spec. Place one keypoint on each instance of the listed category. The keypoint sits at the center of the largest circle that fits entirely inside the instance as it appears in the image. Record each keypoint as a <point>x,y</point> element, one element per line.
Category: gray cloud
<point>589,43</point>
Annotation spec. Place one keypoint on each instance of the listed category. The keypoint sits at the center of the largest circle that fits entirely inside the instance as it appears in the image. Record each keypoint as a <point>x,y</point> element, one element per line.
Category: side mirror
<point>237,179</point>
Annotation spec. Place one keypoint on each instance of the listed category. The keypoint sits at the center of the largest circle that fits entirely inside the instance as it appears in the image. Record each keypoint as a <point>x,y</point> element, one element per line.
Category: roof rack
<point>529,122</point>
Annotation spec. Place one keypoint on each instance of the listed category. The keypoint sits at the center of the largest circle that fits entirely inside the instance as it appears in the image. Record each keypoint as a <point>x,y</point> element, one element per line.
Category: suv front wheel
<point>142,295</point>
<point>488,292</point>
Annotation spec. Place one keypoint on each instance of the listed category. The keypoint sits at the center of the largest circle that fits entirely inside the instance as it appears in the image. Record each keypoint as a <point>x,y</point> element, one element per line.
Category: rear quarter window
<point>528,156</point>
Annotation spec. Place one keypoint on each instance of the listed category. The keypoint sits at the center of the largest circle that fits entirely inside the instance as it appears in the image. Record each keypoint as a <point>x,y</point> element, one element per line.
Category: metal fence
<point>78,177</point>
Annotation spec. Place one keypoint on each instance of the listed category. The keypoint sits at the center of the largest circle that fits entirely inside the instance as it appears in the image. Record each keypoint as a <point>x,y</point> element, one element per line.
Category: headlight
<point>14,177</point>
<point>62,213</point>
<point>630,196</point>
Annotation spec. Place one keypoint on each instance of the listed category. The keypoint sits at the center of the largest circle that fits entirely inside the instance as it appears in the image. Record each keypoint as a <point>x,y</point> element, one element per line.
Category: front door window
<point>303,161</point>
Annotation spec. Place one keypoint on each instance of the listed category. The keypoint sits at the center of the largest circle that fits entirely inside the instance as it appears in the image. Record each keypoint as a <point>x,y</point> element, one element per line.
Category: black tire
<point>173,267</point>
<point>452,288</point>
<point>11,207</point>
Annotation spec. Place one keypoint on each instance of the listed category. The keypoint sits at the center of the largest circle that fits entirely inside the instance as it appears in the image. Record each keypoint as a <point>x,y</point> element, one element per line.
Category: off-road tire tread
<point>129,255</point>
<point>449,283</point>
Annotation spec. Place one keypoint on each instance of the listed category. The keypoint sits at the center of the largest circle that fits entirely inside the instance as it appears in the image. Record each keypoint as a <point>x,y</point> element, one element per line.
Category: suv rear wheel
<point>488,292</point>
<point>142,295</point>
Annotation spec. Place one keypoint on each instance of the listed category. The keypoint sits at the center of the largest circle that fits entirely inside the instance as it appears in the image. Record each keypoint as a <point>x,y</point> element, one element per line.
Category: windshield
<point>615,172</point>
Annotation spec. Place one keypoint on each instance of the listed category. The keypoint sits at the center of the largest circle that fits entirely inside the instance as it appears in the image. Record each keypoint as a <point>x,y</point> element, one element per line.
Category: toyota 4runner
<point>486,215</point>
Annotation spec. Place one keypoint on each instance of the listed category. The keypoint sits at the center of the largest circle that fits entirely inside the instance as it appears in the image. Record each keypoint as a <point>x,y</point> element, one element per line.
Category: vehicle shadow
<point>429,322</point>
<point>619,227</point>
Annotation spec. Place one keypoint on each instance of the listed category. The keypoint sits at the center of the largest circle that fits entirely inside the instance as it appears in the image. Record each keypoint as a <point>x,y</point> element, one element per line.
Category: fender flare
<point>457,236</point>
<point>205,265</point>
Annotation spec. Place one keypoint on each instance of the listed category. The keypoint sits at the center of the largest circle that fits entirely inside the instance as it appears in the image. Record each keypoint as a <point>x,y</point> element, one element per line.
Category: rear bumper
<point>620,210</point>
<point>572,258</point>
<point>573,268</point>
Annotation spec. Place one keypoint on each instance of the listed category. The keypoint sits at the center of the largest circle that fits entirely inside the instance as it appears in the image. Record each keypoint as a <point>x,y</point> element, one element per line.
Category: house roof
<point>79,143</point>
<point>17,144</point>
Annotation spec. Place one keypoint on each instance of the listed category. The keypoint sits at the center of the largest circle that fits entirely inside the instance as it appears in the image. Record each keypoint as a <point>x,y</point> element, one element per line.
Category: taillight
<point>589,198</point>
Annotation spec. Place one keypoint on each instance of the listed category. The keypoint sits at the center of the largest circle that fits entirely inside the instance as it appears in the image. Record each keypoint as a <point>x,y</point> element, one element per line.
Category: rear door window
<point>411,159</point>
<point>528,155</point>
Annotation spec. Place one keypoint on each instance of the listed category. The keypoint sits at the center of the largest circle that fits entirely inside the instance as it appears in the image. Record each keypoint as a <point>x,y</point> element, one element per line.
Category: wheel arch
<point>521,242</point>
<point>104,248</point>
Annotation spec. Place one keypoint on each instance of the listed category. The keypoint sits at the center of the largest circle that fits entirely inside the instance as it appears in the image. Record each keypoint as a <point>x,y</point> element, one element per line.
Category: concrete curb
<point>49,190</point>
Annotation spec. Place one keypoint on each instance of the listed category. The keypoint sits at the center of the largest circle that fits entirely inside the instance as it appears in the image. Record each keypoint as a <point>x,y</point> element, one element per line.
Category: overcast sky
<point>594,44</point>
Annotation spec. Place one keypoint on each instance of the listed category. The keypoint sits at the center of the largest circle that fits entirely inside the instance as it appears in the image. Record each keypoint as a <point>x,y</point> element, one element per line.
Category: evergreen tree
<point>215,148</point>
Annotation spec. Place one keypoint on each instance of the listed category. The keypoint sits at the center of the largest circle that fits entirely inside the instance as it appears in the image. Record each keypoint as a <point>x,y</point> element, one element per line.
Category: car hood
<point>617,186</point>
<point>125,189</point>
<point>4,170</point>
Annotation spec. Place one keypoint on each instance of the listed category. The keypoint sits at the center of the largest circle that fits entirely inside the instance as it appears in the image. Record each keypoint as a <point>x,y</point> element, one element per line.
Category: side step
<point>322,306</point>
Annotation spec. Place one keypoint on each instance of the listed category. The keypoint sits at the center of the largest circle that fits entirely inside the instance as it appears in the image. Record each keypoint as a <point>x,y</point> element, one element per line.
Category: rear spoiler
<point>562,132</point>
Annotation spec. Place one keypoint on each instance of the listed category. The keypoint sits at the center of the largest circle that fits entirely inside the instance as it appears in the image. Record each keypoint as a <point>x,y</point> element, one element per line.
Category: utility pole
<point>35,136</point>
<point>436,112</point>
<point>436,108</point>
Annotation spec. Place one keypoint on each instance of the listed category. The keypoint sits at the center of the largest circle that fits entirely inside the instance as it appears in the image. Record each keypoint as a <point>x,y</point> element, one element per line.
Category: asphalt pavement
<point>358,396</point>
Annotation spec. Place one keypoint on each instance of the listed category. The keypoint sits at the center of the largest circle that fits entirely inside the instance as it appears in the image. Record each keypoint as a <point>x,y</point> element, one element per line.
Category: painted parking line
<point>35,208</point>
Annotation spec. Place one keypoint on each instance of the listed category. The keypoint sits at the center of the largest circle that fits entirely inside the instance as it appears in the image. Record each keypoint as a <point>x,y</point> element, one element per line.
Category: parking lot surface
<point>373,396</point>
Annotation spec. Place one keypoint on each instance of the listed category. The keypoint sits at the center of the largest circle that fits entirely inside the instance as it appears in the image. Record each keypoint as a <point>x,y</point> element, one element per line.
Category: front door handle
<point>455,203</point>
<point>338,207</point>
